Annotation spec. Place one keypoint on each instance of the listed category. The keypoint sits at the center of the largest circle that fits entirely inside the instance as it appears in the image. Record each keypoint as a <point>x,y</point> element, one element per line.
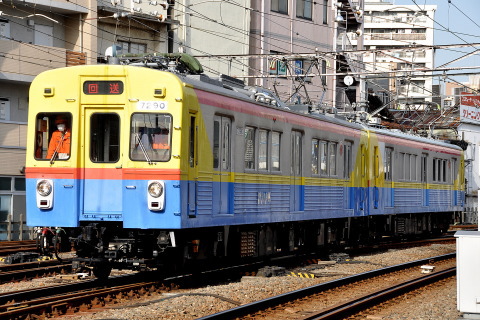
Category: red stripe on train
<point>102,173</point>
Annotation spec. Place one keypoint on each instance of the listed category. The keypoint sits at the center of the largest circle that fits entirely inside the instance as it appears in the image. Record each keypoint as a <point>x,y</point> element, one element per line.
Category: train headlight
<point>155,189</point>
<point>45,194</point>
<point>156,195</point>
<point>44,188</point>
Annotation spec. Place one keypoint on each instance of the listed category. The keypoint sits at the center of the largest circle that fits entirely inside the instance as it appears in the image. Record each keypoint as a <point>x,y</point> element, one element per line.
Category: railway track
<point>9,247</point>
<point>69,298</point>
<point>31,270</point>
<point>344,296</point>
<point>92,294</point>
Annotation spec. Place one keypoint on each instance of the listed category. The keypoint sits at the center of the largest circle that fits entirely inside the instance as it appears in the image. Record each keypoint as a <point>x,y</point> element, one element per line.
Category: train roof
<point>219,87</point>
<point>235,88</point>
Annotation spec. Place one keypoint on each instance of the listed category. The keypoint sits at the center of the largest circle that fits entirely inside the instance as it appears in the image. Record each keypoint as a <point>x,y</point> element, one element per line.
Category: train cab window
<point>150,138</point>
<point>53,136</point>
<point>104,137</point>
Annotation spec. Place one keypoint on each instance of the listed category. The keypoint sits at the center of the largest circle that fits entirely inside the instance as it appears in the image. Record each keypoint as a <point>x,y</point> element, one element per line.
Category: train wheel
<point>102,271</point>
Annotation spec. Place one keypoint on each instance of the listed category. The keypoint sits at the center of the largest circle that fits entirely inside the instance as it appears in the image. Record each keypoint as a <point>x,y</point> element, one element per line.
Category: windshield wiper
<point>144,151</point>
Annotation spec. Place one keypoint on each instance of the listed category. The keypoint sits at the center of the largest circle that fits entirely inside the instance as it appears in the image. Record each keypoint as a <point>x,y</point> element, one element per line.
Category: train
<point>149,163</point>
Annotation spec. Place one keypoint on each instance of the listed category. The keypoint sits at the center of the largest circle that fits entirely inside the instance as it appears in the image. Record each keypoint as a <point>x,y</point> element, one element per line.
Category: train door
<point>102,164</point>
<point>297,188</point>
<point>376,177</point>
<point>192,167</point>
<point>423,178</point>
<point>221,164</point>
<point>362,193</point>
<point>347,171</point>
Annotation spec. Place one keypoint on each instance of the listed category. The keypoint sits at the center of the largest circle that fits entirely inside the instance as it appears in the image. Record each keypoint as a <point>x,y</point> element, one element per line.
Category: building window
<point>4,109</point>
<point>277,66</point>
<point>304,9</point>
<point>5,183</point>
<point>324,72</point>
<point>325,12</point>
<point>133,47</point>
<point>280,6</point>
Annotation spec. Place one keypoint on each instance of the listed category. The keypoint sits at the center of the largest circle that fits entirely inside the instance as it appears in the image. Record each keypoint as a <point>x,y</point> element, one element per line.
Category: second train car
<point>140,167</point>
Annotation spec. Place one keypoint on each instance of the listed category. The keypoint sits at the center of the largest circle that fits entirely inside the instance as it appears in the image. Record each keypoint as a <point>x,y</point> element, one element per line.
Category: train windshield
<point>150,137</point>
<point>53,136</point>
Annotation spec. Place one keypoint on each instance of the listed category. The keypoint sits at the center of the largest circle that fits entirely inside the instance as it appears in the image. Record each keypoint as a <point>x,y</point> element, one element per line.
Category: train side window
<point>453,170</point>
<point>296,151</point>
<point>388,163</point>
<point>332,156</point>
<point>323,157</point>
<point>315,150</point>
<point>262,149</point>
<point>347,159</point>
<point>413,167</point>
<point>275,151</point>
<point>221,143</point>
<point>105,137</point>
<point>53,136</point>
<point>151,137</point>
<point>423,168</point>
<point>444,170</point>
<point>249,145</point>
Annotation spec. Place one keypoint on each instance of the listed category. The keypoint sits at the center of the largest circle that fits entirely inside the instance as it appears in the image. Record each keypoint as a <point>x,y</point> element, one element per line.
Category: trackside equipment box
<point>468,273</point>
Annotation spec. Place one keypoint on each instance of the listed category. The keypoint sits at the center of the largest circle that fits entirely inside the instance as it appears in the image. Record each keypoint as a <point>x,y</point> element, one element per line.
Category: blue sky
<point>457,23</point>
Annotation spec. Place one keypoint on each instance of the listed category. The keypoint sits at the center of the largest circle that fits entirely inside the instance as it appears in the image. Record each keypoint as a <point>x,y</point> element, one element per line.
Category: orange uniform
<point>61,143</point>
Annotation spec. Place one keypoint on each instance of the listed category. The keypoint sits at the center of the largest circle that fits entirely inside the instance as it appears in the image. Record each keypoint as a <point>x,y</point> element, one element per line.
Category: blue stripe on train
<point>217,204</point>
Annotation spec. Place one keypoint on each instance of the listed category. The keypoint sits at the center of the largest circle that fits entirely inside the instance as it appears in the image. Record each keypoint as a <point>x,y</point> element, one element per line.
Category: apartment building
<point>39,35</point>
<point>286,46</point>
<point>395,36</point>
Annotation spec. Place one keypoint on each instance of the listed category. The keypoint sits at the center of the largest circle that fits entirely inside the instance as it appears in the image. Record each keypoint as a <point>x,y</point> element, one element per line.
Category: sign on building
<point>469,108</point>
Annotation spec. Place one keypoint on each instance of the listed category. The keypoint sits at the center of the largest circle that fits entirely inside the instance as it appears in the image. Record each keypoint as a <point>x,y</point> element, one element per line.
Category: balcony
<point>21,59</point>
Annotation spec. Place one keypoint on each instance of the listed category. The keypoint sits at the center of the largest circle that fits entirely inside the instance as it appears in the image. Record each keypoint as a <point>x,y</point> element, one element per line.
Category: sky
<point>456,23</point>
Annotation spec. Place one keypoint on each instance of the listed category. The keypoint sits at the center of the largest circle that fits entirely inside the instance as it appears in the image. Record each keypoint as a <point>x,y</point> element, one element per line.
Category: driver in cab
<point>59,146</point>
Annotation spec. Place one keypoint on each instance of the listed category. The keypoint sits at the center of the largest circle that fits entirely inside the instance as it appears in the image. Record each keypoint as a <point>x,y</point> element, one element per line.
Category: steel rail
<point>264,304</point>
<point>354,306</point>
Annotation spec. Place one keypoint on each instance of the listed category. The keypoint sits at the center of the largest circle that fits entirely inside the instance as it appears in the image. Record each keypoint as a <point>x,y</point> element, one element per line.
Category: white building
<point>396,34</point>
